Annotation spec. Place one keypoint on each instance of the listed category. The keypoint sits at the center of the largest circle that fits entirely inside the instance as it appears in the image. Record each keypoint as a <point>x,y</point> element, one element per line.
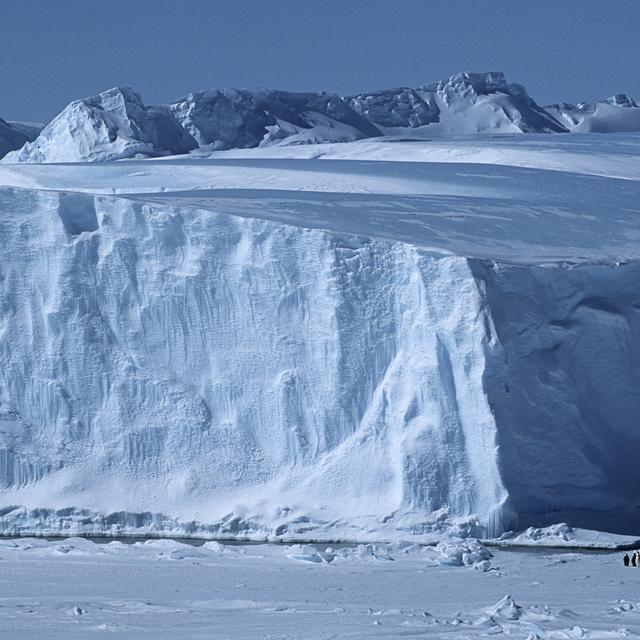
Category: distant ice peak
<point>622,100</point>
<point>479,83</point>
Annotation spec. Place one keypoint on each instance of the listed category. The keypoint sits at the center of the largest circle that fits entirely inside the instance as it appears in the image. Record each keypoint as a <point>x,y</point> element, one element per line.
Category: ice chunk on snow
<point>506,609</point>
<point>462,552</point>
<point>308,553</point>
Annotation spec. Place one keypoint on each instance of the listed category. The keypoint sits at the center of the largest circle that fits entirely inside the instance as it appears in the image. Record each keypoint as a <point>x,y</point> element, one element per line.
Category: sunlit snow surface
<point>362,341</point>
<point>163,590</point>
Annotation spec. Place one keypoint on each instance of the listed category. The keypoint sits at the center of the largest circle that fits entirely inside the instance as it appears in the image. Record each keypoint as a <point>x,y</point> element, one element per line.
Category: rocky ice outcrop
<point>617,113</point>
<point>465,103</point>
<point>237,118</point>
<point>113,125</point>
<point>11,137</point>
<point>403,107</point>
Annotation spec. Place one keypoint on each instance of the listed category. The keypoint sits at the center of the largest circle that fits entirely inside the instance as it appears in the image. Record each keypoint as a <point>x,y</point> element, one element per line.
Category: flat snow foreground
<point>163,590</point>
<point>363,342</point>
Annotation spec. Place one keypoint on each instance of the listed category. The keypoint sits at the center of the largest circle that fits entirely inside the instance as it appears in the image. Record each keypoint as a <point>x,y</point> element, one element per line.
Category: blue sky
<point>52,51</point>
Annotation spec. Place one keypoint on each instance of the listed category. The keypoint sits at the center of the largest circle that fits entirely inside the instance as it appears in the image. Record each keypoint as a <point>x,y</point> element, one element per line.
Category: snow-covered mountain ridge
<point>368,343</point>
<point>116,124</point>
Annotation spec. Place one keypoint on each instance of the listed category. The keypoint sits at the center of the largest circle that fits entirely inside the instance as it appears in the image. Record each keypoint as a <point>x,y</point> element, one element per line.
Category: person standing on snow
<point>626,559</point>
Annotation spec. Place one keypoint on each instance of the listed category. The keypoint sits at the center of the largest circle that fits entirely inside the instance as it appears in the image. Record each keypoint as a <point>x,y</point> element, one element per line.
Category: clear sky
<point>53,51</point>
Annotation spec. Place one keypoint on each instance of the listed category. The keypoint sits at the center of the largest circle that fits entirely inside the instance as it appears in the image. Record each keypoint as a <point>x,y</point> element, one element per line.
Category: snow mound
<point>237,118</point>
<point>112,125</point>
<point>362,553</point>
<point>562,535</point>
<point>619,113</point>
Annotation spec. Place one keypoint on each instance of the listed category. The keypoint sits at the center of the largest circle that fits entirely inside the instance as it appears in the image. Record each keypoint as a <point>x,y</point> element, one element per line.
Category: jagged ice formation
<point>116,124</point>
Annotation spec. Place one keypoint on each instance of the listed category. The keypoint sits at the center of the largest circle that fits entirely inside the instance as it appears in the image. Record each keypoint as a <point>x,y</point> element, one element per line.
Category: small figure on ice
<point>626,559</point>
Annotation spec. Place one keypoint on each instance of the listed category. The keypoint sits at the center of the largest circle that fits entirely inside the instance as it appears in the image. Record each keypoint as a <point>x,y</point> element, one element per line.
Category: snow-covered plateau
<point>366,341</point>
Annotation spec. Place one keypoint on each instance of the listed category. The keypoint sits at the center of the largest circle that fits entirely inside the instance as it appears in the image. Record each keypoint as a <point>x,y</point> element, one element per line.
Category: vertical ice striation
<point>263,378</point>
<point>175,360</point>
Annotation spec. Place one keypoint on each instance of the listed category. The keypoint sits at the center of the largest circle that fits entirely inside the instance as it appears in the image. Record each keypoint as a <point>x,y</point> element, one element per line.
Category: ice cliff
<point>319,349</point>
<point>180,362</point>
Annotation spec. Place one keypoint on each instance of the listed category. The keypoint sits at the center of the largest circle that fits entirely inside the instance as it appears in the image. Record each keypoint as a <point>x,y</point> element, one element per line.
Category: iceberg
<point>465,103</point>
<point>113,125</point>
<point>618,113</point>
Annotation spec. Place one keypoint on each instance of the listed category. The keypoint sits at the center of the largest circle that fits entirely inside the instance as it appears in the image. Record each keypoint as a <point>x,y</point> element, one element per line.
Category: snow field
<point>160,589</point>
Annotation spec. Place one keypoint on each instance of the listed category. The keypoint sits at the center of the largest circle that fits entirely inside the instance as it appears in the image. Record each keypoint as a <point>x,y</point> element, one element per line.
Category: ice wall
<point>214,368</point>
<point>190,371</point>
<point>564,390</point>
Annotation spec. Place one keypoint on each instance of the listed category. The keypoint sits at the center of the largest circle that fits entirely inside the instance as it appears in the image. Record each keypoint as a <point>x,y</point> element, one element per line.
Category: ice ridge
<point>116,124</point>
